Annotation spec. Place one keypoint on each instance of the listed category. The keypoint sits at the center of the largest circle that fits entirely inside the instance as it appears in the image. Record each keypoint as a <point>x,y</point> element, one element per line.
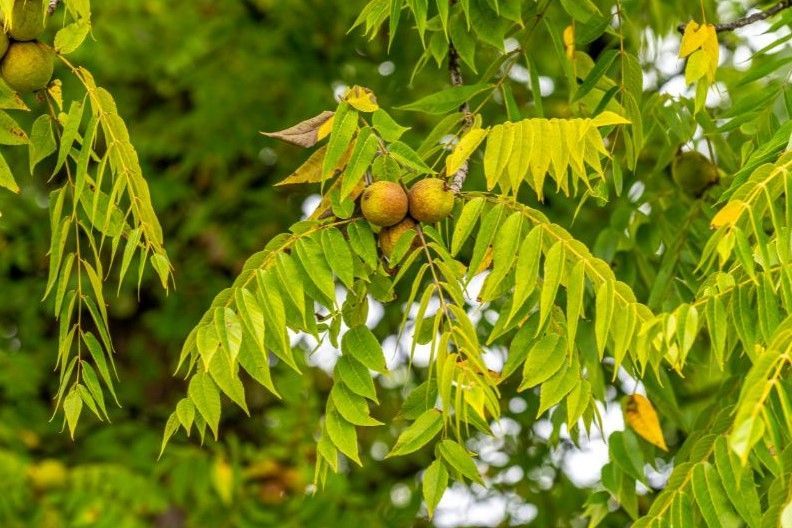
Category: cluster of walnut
<point>27,64</point>
<point>386,204</point>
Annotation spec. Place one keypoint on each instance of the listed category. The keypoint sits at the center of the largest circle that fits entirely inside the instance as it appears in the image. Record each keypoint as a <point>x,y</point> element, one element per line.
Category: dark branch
<point>53,5</point>
<point>455,70</point>
<point>745,21</point>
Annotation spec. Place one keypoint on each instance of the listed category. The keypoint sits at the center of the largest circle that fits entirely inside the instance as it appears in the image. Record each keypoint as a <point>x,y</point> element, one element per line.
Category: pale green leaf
<point>418,434</point>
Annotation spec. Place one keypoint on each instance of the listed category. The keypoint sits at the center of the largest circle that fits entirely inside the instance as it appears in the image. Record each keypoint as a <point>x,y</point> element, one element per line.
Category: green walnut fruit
<point>27,66</point>
<point>384,203</point>
<point>4,42</point>
<point>28,19</point>
<point>390,235</point>
<point>431,200</point>
<point>693,172</point>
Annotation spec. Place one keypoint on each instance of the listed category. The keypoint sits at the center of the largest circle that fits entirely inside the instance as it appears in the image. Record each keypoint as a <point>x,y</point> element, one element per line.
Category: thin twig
<point>455,71</point>
<point>745,21</point>
<point>53,5</point>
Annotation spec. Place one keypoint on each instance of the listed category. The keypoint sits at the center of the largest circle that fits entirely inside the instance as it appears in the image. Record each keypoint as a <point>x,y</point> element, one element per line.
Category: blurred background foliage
<point>196,82</point>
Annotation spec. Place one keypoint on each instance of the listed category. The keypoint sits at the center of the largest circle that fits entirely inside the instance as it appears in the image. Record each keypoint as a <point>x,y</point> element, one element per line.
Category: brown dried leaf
<point>302,134</point>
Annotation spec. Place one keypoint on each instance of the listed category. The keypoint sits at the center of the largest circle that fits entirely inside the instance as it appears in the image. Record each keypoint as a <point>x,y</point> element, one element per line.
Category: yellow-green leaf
<point>418,434</point>
<point>435,482</point>
<point>463,150</point>
<point>308,172</point>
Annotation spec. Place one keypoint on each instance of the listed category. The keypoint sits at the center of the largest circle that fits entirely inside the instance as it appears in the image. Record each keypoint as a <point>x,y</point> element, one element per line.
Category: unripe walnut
<point>384,203</point>
<point>27,66</point>
<point>28,19</point>
<point>4,43</point>
<point>390,235</point>
<point>431,200</point>
<point>693,172</point>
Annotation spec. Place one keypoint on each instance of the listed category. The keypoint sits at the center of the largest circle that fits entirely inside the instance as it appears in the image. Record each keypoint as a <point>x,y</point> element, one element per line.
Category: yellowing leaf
<point>569,41</point>
<point>311,170</point>
<point>56,92</point>
<point>325,128</point>
<point>530,149</point>
<point>642,418</point>
<point>711,49</point>
<point>697,67</point>
<point>729,214</point>
<point>361,99</point>
<point>692,39</point>
<point>700,44</point>
<point>486,262</point>
<point>607,118</point>
<point>474,396</point>
<point>469,142</point>
<point>308,172</point>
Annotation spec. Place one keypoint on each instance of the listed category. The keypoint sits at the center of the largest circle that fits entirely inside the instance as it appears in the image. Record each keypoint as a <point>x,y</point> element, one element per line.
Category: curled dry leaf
<point>303,134</point>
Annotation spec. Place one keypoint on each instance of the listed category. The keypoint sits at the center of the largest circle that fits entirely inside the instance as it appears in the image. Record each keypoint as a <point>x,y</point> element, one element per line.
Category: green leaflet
<point>465,223</point>
<point>625,452</point>
<point>224,372</point>
<point>6,177</point>
<point>386,126</point>
<point>185,411</point>
<point>526,269</point>
<point>434,484</point>
<point>42,141</point>
<point>204,394</point>
<point>459,459</point>
<point>363,154</point>
<point>553,270</point>
<point>71,37</point>
<point>544,359</point>
<point>408,158</point>
<point>738,483</point>
<point>361,345</point>
<point>350,406</point>
<point>361,239</point>
<point>421,399</point>
<point>228,329</point>
<point>355,376</point>
<point>343,435</point>
<point>711,499</point>
<point>345,123</point>
<point>604,310</point>
<point>447,100</point>
<point>560,384</point>
<point>418,434</point>
<point>504,248</point>
<point>338,255</point>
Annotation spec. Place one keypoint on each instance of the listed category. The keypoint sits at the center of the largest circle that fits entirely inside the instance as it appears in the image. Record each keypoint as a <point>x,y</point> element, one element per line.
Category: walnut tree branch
<point>455,71</point>
<point>745,21</point>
